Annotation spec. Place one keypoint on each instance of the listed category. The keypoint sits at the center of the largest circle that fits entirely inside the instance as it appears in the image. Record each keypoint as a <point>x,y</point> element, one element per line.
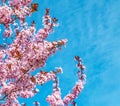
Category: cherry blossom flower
<point>28,52</point>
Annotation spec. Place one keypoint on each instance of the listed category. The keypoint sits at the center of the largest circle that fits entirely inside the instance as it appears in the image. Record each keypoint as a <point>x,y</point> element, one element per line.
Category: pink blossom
<point>29,51</point>
<point>68,98</point>
<point>15,2</point>
<point>55,99</point>
<point>43,77</point>
<point>5,14</point>
<point>26,2</point>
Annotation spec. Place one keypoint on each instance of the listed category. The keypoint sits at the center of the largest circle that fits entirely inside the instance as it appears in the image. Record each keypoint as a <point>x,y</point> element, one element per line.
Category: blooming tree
<point>29,51</point>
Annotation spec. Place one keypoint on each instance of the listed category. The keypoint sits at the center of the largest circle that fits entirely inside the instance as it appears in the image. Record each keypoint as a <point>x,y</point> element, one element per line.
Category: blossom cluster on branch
<point>29,51</point>
<point>56,100</point>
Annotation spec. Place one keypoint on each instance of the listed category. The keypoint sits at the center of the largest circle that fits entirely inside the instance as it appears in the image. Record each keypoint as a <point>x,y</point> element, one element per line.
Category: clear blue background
<point>92,28</point>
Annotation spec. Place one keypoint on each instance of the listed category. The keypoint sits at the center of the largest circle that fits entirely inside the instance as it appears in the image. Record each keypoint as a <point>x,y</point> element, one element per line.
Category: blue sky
<point>92,30</point>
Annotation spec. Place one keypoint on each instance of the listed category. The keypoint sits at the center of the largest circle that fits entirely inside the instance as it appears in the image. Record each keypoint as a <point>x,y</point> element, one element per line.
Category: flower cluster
<point>29,51</point>
<point>56,100</point>
<point>17,9</point>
